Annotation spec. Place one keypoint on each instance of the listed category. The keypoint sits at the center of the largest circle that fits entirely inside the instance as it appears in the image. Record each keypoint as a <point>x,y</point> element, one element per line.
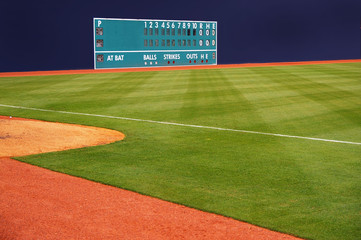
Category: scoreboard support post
<point>131,43</point>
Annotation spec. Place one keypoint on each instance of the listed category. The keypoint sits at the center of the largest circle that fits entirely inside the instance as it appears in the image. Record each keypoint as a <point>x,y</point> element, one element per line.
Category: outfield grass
<point>307,188</point>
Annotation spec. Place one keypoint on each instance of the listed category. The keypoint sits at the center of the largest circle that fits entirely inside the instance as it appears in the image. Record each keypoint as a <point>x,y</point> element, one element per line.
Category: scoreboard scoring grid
<point>128,43</point>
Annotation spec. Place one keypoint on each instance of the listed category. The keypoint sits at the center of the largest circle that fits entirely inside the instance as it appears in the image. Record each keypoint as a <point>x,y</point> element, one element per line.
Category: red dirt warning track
<point>170,68</point>
<point>37,203</point>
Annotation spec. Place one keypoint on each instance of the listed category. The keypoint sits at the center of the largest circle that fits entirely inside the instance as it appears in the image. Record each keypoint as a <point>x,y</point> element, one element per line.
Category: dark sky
<point>52,35</point>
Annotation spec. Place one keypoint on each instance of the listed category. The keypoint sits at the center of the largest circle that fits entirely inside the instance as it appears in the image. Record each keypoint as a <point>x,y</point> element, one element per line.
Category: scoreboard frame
<point>201,54</point>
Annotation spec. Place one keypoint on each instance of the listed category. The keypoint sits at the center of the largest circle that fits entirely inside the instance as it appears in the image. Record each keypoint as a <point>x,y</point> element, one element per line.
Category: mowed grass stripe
<point>307,188</point>
<point>184,125</point>
<point>309,99</point>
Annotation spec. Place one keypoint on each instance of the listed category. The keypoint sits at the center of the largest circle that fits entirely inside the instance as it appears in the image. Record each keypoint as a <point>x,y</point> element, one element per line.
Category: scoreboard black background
<point>52,35</point>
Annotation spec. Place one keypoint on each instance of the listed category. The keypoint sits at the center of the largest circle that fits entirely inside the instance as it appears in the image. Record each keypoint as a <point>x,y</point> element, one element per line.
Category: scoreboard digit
<point>127,43</point>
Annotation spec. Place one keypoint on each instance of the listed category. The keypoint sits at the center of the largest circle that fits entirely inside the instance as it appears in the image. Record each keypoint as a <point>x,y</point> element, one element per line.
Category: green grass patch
<point>306,188</point>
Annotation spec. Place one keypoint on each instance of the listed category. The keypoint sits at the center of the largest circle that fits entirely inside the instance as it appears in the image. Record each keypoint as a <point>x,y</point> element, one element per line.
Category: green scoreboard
<point>127,43</point>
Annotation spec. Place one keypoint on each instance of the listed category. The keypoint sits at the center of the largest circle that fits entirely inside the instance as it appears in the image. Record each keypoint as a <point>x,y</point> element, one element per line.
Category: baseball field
<point>275,146</point>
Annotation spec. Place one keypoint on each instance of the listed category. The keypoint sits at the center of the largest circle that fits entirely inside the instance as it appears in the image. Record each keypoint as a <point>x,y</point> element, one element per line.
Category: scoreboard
<point>127,43</point>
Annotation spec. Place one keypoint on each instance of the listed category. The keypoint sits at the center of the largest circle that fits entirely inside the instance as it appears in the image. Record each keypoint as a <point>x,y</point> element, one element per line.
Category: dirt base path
<point>37,203</point>
<point>20,137</point>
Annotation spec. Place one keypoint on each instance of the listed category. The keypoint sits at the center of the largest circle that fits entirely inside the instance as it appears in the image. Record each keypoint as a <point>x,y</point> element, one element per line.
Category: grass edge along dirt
<point>291,186</point>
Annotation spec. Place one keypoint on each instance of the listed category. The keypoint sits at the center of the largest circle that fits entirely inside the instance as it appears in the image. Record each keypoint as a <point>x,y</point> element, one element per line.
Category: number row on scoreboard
<point>180,32</point>
<point>169,43</point>
<point>180,42</point>
<point>194,25</point>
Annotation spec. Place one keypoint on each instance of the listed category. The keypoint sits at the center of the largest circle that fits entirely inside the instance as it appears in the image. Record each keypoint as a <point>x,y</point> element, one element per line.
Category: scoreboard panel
<point>127,43</point>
